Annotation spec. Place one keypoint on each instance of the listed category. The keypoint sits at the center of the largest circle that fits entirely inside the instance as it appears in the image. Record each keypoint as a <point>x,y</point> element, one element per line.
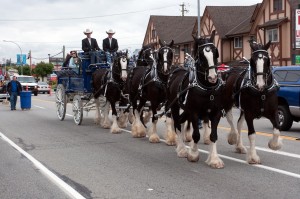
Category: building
<point>168,28</point>
<point>273,20</point>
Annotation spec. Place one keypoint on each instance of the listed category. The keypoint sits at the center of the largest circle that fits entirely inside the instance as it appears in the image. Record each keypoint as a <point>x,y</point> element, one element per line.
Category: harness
<point>248,82</point>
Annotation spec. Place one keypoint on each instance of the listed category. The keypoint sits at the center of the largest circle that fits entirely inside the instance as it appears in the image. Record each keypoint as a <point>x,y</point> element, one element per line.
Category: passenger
<point>110,46</point>
<point>73,62</point>
<point>90,46</point>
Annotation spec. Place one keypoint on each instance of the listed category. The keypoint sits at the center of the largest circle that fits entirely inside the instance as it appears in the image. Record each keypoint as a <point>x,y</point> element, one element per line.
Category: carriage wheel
<point>61,102</point>
<point>77,109</point>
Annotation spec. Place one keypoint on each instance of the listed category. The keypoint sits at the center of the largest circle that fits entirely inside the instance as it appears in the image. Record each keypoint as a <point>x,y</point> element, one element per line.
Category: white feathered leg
<point>233,134</point>
<point>114,127</point>
<point>252,157</point>
<point>206,135</point>
<point>276,142</point>
<point>104,106</point>
<point>123,120</point>
<point>170,132</point>
<point>138,129</point>
<point>187,132</point>
<point>97,118</point>
<point>213,159</point>
<point>152,133</point>
<point>240,148</point>
<point>181,148</point>
<point>193,152</point>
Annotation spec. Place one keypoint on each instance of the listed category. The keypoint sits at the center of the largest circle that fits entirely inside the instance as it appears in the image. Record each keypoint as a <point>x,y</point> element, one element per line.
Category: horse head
<point>165,56</point>
<point>121,64</point>
<point>260,64</point>
<point>206,55</point>
<point>144,58</point>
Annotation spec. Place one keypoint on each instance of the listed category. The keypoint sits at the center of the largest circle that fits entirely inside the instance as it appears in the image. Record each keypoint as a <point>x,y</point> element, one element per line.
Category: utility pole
<point>183,9</point>
<point>30,62</point>
<point>64,52</point>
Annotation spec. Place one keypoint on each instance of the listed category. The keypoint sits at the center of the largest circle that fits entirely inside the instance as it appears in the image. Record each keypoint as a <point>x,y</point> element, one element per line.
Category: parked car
<point>43,87</point>
<point>288,78</point>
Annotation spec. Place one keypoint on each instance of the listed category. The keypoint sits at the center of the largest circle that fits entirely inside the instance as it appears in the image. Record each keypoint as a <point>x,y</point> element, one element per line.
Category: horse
<point>143,63</point>
<point>109,83</point>
<point>254,91</point>
<point>197,91</point>
<point>153,89</point>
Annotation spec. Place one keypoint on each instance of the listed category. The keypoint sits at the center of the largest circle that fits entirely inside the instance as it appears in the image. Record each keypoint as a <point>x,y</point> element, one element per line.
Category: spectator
<point>110,45</point>
<point>90,46</point>
<point>14,88</point>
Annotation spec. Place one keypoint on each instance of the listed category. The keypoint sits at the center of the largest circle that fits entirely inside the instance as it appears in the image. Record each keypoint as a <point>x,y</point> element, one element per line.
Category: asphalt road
<point>94,163</point>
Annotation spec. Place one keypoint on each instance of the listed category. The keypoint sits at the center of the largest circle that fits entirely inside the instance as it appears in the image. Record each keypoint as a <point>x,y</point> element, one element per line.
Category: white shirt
<point>90,41</point>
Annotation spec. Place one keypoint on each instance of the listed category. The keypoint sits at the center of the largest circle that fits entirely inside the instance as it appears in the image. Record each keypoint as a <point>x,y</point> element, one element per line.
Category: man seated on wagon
<point>110,46</point>
<point>90,47</point>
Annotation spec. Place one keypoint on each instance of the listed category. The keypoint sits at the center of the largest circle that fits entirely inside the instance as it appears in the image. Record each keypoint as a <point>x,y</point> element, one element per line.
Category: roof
<point>275,22</point>
<point>178,28</point>
<point>231,19</point>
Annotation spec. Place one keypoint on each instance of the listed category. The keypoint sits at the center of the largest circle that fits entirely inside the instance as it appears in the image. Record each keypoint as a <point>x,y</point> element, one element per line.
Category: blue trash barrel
<point>25,97</point>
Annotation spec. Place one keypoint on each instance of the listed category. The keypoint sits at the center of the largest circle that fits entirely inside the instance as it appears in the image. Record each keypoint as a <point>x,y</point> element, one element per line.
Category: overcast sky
<point>44,26</point>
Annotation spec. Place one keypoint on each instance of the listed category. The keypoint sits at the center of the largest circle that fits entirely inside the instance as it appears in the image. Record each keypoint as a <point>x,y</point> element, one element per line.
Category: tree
<point>43,69</point>
<point>26,70</point>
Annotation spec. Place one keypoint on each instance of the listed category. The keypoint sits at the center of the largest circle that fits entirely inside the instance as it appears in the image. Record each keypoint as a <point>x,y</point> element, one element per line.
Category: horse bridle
<point>164,48</point>
<point>208,48</point>
<point>260,56</point>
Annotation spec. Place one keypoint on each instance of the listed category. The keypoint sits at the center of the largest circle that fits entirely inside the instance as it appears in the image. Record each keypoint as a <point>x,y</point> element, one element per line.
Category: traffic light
<point>29,55</point>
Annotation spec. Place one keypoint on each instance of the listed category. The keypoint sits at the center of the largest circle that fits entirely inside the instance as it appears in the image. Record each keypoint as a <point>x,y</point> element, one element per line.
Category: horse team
<point>187,94</point>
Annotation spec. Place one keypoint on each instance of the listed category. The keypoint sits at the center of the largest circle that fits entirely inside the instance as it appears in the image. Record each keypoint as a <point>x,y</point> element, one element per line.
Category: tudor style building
<point>273,20</point>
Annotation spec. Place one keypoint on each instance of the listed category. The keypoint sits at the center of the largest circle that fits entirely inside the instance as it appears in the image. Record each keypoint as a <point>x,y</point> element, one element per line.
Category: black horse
<point>144,62</point>
<point>197,91</point>
<point>153,89</point>
<point>110,83</point>
<point>254,91</point>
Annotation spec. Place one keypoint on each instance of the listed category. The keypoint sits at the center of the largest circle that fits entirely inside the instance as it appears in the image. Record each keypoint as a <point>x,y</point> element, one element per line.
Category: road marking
<point>69,115</point>
<point>295,175</point>
<point>293,155</point>
<point>39,107</point>
<point>264,134</point>
<point>64,186</point>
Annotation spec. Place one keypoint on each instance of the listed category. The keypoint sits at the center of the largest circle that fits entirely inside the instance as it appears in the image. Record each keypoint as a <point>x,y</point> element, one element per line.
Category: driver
<point>90,46</point>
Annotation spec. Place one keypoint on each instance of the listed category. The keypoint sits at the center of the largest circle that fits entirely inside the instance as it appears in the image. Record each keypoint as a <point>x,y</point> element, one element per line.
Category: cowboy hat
<point>110,31</point>
<point>88,31</point>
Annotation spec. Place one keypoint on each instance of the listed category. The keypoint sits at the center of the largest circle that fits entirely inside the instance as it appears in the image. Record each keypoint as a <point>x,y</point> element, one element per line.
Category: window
<point>177,50</point>
<point>272,35</point>
<point>277,5</point>
<point>187,48</point>
<point>153,33</point>
<point>238,42</point>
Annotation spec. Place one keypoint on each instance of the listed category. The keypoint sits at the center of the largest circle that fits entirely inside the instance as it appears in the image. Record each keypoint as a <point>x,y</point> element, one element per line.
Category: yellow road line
<point>222,127</point>
<point>264,134</point>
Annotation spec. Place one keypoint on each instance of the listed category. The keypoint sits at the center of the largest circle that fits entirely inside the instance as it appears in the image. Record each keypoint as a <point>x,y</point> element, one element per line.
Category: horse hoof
<point>253,159</point>
<point>105,126</point>
<point>232,138</point>
<point>171,142</point>
<point>207,141</point>
<point>193,156</point>
<point>182,152</point>
<point>275,145</point>
<point>216,164</point>
<point>116,131</point>
<point>241,150</point>
<point>154,138</point>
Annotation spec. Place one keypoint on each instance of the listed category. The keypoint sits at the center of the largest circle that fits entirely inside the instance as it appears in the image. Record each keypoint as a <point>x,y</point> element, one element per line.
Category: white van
<point>28,82</point>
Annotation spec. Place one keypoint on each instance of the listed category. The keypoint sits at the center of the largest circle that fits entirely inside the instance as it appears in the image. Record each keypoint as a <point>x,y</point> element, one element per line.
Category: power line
<point>80,18</point>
